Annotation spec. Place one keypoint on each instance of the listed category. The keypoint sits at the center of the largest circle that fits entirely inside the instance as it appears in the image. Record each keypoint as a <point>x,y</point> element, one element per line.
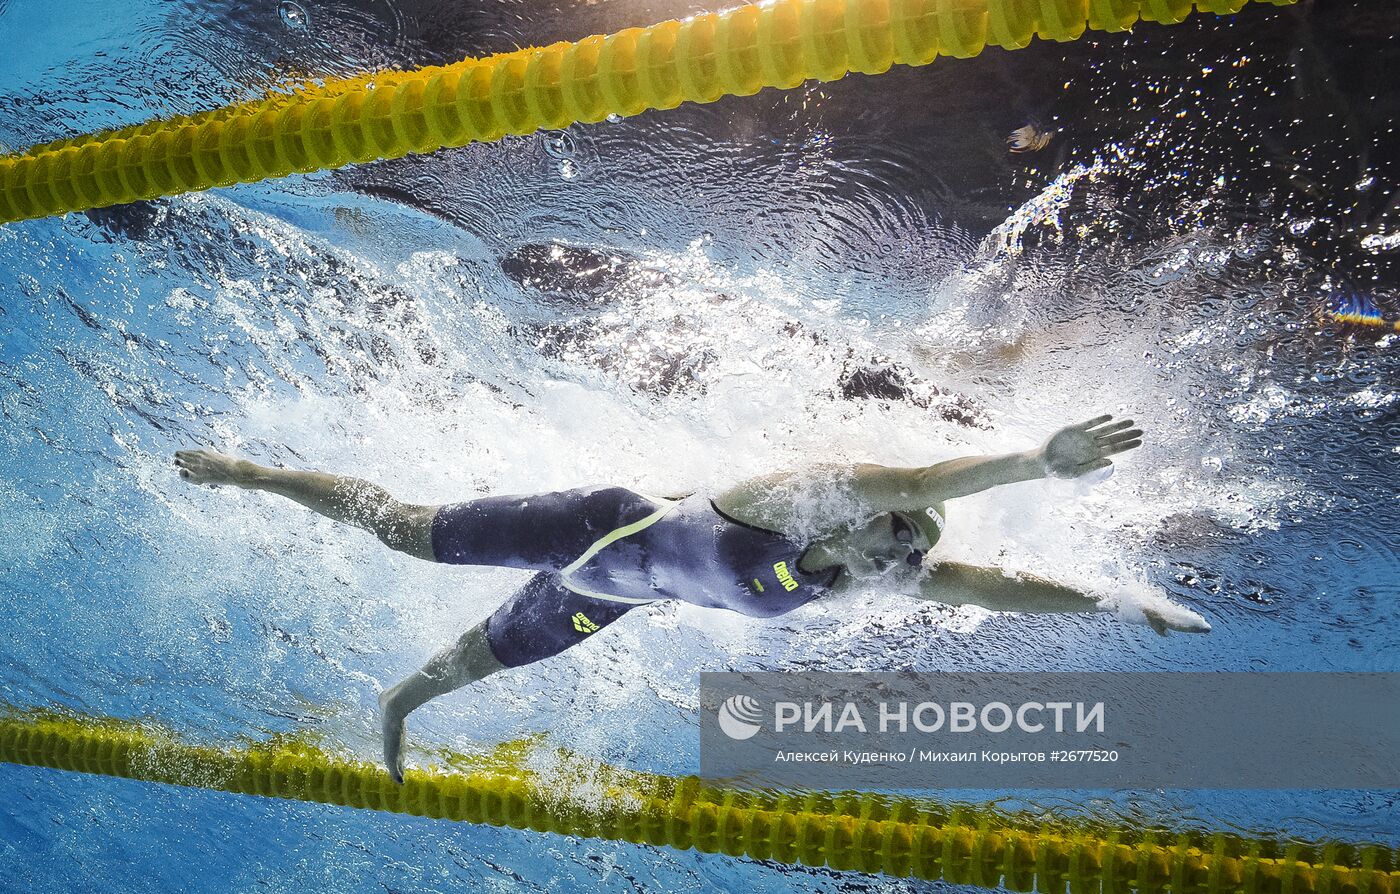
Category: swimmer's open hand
<point>209,467</point>
<point>1079,449</point>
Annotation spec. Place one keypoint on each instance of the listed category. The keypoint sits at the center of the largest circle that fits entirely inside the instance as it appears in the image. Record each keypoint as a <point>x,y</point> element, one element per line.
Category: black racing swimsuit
<point>602,552</point>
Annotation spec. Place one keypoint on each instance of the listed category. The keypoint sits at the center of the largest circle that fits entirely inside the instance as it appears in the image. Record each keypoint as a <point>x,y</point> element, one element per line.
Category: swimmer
<point>598,553</point>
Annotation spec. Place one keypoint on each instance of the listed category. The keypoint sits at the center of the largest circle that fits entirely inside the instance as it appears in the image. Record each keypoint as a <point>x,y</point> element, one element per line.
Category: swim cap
<point>931,521</point>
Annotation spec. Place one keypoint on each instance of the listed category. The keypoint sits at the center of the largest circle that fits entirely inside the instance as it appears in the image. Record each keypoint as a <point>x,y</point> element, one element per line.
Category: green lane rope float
<point>857,831</point>
<point>390,114</point>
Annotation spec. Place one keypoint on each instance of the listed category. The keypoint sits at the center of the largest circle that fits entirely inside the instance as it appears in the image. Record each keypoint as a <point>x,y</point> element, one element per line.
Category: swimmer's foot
<point>391,720</point>
<point>210,467</point>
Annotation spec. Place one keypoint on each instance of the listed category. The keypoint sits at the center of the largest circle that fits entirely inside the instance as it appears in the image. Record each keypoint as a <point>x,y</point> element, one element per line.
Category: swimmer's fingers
<point>1106,431</point>
<point>1118,434</point>
<point>1121,447</point>
<point>1092,423</point>
<point>1118,438</point>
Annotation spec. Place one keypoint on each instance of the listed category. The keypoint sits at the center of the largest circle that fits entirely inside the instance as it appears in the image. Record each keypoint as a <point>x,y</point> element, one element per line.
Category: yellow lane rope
<point>528,787</point>
<point>329,124</point>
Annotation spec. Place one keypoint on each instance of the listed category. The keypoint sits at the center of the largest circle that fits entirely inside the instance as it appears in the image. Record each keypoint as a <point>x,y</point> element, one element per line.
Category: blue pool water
<point>677,301</point>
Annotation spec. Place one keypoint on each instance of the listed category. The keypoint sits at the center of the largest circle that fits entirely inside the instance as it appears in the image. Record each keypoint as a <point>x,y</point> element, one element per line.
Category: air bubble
<point>293,15</point>
<point>1379,242</point>
<point>558,144</point>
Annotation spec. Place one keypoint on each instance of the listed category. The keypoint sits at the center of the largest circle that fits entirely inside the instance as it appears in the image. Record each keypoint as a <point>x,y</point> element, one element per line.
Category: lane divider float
<point>529,786</point>
<point>390,114</point>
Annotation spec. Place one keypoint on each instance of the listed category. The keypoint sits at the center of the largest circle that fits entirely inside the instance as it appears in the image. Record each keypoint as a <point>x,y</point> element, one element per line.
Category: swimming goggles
<point>904,533</point>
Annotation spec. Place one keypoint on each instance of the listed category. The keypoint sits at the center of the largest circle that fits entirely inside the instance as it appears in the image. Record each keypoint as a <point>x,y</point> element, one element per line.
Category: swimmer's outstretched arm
<point>1068,453</point>
<point>405,527</point>
<point>953,583</point>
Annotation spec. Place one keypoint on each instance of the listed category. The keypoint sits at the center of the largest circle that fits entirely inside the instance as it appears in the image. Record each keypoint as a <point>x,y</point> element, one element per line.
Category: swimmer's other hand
<point>394,731</point>
<point>1175,617</point>
<point>1138,603</point>
<point>210,467</point>
<point>1080,449</point>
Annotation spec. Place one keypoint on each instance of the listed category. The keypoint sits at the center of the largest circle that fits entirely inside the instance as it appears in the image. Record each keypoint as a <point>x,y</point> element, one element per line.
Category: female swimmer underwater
<point>601,552</point>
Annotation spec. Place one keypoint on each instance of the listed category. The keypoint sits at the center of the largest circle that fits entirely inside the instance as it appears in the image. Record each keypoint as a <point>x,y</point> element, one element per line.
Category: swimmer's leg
<point>405,527</point>
<point>469,660</point>
<point>542,619</point>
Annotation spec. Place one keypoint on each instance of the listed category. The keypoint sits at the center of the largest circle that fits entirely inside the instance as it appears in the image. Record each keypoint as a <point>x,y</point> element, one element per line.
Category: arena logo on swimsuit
<point>784,576</point>
<point>583,624</point>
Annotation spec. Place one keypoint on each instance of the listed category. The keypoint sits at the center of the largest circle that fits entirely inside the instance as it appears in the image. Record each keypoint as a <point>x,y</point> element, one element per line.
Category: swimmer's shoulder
<point>754,507</point>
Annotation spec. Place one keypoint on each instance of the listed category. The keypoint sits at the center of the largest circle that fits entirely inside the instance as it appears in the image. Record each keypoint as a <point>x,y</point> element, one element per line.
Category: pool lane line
<point>330,123</point>
<point>529,785</point>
